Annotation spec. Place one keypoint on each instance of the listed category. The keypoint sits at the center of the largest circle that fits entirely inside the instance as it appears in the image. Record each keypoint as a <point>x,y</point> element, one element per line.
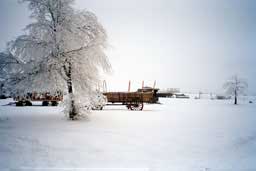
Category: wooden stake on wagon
<point>129,86</point>
<point>154,84</point>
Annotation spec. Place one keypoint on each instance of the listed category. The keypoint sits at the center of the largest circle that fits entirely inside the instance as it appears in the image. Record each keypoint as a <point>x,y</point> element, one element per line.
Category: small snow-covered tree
<point>63,49</point>
<point>235,86</point>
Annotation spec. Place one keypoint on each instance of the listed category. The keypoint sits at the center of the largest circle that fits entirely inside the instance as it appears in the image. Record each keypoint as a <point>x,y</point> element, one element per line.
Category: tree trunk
<point>72,110</point>
<point>235,98</point>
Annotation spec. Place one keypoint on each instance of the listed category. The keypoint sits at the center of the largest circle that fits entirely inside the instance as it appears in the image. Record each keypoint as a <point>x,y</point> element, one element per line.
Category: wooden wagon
<point>132,100</point>
<point>45,98</point>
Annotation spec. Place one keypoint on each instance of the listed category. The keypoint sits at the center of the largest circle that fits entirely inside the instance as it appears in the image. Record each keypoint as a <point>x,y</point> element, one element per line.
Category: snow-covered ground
<point>180,134</point>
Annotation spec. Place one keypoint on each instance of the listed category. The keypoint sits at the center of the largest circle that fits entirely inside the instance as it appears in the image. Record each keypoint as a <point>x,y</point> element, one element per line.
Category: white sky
<point>191,44</point>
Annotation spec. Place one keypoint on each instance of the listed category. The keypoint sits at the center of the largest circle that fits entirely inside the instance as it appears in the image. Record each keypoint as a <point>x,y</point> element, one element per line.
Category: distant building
<point>170,90</point>
<point>222,97</point>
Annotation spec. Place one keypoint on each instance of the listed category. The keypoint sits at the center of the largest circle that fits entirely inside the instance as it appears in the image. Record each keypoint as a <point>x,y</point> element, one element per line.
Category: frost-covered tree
<point>235,86</point>
<point>10,70</point>
<point>62,49</point>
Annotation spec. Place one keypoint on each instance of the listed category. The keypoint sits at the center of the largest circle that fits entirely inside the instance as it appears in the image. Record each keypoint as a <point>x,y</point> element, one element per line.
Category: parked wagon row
<point>46,98</point>
<point>132,100</point>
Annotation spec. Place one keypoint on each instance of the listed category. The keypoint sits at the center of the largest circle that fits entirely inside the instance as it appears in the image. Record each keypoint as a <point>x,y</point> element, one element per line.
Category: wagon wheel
<point>128,106</point>
<point>54,103</point>
<point>20,103</point>
<point>45,103</point>
<point>137,106</point>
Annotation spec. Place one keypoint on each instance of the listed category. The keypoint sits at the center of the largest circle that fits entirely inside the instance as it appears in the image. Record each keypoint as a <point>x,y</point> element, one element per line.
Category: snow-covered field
<point>180,134</point>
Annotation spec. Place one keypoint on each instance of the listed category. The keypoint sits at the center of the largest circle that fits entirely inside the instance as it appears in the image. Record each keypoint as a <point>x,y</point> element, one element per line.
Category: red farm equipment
<point>46,98</point>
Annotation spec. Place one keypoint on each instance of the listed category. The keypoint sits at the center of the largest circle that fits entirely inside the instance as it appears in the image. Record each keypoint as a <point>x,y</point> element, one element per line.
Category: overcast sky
<point>190,44</point>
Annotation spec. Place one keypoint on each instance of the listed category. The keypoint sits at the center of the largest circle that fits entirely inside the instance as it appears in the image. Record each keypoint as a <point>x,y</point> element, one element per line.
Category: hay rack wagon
<point>132,100</point>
